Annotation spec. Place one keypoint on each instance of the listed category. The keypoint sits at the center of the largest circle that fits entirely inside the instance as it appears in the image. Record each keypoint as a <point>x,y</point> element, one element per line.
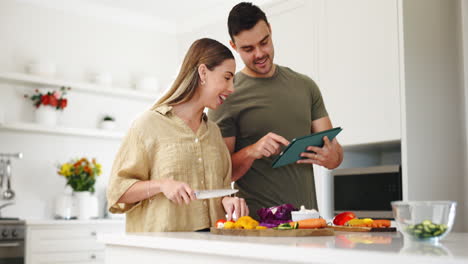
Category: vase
<point>107,125</point>
<point>46,115</point>
<point>86,205</point>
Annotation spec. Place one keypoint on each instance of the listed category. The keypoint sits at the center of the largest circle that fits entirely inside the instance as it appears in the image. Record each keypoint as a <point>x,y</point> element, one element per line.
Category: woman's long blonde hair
<point>203,51</point>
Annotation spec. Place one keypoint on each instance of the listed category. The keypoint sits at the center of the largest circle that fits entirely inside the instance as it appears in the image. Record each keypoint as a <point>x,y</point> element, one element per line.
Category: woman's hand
<point>178,192</point>
<point>235,205</point>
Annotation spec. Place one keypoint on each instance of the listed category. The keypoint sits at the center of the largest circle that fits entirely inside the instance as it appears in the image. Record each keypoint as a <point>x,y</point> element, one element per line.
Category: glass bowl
<point>424,220</point>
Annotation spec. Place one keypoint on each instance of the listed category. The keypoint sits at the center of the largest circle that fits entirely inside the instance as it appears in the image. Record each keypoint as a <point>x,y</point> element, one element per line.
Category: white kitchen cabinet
<point>359,69</point>
<point>391,70</point>
<point>53,242</point>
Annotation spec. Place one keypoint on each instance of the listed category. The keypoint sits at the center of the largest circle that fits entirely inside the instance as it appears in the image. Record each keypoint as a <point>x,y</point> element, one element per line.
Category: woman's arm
<point>178,192</point>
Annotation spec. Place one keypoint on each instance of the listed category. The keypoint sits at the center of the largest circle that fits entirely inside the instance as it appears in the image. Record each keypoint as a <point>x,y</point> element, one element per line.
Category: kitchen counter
<point>344,247</point>
<point>74,221</point>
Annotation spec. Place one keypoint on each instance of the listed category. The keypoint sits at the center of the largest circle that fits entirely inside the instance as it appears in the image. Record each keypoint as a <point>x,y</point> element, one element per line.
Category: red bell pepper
<point>342,218</point>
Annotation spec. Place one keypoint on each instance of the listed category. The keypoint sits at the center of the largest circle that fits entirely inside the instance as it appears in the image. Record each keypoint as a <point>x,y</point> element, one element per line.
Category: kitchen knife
<point>207,194</point>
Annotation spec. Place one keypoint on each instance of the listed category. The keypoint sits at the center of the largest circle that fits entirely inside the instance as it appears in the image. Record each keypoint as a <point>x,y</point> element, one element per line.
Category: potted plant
<point>47,104</point>
<point>80,175</point>
<point>107,122</point>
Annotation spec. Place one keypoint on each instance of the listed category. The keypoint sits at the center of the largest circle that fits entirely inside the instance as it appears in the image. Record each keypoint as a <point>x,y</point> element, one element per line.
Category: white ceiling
<point>170,16</point>
<point>180,13</point>
<point>173,10</point>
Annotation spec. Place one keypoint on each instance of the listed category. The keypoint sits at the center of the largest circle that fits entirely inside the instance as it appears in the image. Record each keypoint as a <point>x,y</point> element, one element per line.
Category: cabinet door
<point>59,240</point>
<point>359,68</point>
<point>68,257</point>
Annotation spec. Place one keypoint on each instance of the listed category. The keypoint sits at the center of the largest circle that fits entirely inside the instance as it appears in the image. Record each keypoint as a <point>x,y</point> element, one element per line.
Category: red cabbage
<point>280,212</point>
<point>270,223</point>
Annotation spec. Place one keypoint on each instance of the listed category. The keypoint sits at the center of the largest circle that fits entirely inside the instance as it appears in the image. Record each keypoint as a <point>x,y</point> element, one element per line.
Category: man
<point>271,105</point>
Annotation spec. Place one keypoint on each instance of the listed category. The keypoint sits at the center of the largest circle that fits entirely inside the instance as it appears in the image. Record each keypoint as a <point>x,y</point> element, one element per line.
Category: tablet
<point>293,151</point>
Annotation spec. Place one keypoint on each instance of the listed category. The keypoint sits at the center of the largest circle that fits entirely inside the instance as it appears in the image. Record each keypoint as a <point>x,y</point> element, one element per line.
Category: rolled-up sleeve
<point>130,166</point>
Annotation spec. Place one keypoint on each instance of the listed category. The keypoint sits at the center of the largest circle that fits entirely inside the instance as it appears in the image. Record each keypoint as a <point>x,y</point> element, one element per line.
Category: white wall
<point>433,94</point>
<point>293,48</point>
<point>79,46</point>
<point>464,23</point>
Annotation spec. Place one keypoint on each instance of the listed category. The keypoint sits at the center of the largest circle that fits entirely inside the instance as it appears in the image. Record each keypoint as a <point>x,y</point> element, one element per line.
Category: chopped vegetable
<point>311,223</point>
<point>245,222</point>
<point>342,218</point>
<point>381,223</point>
<point>220,223</point>
<point>268,225</point>
<point>426,229</point>
<point>280,212</point>
<point>273,223</point>
<point>294,225</point>
<point>261,227</point>
<point>284,226</point>
<point>229,225</point>
<point>364,222</point>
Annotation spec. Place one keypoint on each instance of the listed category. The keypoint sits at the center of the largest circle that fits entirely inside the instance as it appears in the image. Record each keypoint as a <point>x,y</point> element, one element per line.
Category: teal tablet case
<point>293,151</point>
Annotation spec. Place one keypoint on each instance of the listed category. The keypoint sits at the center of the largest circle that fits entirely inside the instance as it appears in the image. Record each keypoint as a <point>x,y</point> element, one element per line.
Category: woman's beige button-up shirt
<point>160,145</point>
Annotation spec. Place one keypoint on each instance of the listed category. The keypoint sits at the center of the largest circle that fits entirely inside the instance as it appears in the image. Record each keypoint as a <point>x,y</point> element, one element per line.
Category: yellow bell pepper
<point>364,222</point>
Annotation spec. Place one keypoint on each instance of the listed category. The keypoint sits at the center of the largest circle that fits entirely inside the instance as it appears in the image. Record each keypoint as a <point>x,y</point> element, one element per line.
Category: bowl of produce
<point>424,220</point>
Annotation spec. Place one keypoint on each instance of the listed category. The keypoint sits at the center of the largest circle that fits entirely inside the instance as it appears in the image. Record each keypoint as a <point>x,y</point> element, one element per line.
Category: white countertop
<point>74,221</point>
<point>344,247</point>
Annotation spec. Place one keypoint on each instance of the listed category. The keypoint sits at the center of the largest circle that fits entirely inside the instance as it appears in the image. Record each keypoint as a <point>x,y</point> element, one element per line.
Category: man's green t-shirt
<point>284,104</point>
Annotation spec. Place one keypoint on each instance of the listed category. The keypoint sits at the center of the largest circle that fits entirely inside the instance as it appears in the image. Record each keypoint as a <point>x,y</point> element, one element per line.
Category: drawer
<point>59,240</point>
<point>92,257</point>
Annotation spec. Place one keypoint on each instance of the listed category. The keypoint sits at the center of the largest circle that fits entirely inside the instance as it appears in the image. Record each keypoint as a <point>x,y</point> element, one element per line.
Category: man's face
<point>255,47</point>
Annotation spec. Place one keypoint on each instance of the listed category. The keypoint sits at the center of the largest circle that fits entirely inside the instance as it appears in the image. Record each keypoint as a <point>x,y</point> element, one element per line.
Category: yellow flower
<point>80,173</point>
<point>66,169</point>
<point>98,167</point>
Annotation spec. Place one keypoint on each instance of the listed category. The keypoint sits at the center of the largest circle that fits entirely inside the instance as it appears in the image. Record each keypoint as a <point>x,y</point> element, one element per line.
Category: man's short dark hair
<point>244,16</point>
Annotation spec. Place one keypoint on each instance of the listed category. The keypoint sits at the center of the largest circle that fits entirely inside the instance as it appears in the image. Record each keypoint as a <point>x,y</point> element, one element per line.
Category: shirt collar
<point>164,109</point>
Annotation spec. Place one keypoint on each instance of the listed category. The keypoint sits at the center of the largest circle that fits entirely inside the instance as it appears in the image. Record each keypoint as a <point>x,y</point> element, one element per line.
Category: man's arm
<point>243,159</point>
<point>330,155</point>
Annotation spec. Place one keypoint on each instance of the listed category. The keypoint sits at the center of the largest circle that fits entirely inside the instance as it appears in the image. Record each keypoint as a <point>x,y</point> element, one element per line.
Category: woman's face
<point>217,84</point>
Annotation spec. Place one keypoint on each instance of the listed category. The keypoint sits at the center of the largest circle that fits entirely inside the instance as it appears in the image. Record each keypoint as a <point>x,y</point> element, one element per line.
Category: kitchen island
<point>344,247</point>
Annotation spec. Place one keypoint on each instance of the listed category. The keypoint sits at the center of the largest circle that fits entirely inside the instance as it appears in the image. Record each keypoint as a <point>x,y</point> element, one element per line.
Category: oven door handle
<point>13,244</point>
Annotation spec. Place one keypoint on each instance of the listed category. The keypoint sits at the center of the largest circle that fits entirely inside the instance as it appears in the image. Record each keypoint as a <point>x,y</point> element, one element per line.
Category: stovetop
<point>11,228</point>
<point>8,218</point>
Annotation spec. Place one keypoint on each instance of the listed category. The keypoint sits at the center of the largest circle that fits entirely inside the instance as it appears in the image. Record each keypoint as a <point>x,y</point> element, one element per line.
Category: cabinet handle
<point>93,256</point>
<point>14,244</point>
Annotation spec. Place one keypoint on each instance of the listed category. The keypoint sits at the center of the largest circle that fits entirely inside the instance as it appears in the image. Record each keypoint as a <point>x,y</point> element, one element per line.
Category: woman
<point>173,149</point>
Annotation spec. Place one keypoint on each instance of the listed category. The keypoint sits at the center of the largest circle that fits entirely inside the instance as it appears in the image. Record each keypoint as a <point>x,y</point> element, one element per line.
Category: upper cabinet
<point>392,70</point>
<point>359,69</point>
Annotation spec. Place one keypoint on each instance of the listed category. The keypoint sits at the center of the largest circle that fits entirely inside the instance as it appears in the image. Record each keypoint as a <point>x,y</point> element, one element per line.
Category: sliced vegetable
<point>342,218</point>
<point>294,225</point>
<point>284,226</point>
<point>229,225</point>
<point>426,229</point>
<point>381,223</point>
<point>245,222</point>
<point>273,223</point>
<point>268,225</point>
<point>364,222</point>
<point>311,223</point>
<point>280,212</point>
<point>220,223</point>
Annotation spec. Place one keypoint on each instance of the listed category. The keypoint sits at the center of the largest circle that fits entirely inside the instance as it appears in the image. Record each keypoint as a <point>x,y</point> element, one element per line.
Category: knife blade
<point>207,194</point>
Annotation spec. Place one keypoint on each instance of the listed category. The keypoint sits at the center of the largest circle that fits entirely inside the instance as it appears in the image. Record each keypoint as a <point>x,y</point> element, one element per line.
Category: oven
<point>367,191</point>
<point>12,241</point>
